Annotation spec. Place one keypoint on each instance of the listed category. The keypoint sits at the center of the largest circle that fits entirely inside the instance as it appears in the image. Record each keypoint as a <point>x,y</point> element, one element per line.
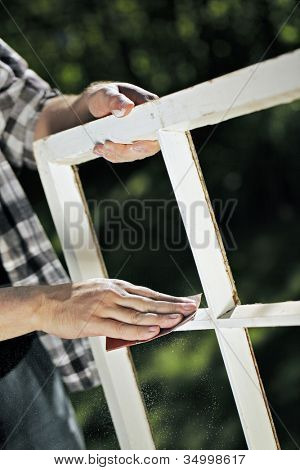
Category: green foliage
<point>165,46</point>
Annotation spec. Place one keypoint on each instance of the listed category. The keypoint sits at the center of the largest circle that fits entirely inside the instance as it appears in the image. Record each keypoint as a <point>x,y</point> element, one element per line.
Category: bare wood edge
<point>103,266</point>
<point>262,388</point>
<point>224,336</point>
<point>235,297</point>
<point>229,273</point>
<point>125,438</point>
<point>89,219</point>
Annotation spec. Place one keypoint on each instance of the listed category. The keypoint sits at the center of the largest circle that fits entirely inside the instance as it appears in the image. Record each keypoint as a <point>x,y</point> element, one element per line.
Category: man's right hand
<point>108,307</point>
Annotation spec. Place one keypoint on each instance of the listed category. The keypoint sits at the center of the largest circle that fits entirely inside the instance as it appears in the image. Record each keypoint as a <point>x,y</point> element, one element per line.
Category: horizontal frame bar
<point>241,92</point>
<point>247,316</point>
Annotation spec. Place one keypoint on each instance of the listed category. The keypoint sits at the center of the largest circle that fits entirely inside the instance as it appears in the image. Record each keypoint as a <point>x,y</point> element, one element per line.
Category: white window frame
<point>169,120</point>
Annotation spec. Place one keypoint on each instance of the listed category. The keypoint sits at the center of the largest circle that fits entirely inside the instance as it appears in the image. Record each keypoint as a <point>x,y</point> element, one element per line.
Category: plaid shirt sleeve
<point>25,251</point>
<point>22,96</point>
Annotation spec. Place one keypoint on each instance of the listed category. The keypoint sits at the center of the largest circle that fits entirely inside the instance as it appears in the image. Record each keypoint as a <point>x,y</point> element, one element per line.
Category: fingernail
<point>118,112</point>
<point>152,328</point>
<point>174,315</point>
<point>189,307</point>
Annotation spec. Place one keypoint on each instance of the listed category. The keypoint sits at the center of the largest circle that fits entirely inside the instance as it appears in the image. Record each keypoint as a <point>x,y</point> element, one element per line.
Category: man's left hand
<point>119,99</point>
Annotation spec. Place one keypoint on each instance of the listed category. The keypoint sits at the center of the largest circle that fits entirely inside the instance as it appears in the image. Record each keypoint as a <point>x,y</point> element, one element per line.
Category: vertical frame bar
<point>62,185</point>
<point>214,271</point>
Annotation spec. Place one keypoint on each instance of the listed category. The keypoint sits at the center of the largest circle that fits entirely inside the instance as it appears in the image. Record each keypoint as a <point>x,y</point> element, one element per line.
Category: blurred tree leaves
<point>166,45</point>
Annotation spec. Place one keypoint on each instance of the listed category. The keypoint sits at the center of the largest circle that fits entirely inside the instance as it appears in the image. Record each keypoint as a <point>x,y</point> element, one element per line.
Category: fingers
<point>137,94</point>
<point>120,330</point>
<point>116,99</point>
<point>119,153</point>
<point>134,317</point>
<point>109,100</point>
<point>147,305</point>
<point>146,292</point>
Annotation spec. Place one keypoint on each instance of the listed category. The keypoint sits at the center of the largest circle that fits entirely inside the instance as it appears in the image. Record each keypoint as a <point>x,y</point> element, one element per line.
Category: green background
<point>166,46</point>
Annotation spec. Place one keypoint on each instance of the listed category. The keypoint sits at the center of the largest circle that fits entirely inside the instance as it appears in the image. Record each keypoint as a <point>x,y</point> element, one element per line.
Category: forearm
<point>61,113</point>
<point>18,311</point>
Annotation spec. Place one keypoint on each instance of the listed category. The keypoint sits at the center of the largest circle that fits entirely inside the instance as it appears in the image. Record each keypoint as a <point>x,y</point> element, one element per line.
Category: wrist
<point>48,304</point>
<point>35,310</point>
<point>61,113</point>
<point>80,108</point>
<point>18,313</point>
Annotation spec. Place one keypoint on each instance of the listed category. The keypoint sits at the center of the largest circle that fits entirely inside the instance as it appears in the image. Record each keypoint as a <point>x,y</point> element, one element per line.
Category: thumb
<point>108,100</point>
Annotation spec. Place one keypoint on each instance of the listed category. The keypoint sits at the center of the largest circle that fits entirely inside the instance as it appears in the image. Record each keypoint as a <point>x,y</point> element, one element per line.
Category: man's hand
<point>98,307</point>
<point>119,99</point>
<point>109,307</point>
<point>97,101</point>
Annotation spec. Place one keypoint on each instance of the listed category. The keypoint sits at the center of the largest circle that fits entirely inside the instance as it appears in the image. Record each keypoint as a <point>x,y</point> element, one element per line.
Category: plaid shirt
<point>25,251</point>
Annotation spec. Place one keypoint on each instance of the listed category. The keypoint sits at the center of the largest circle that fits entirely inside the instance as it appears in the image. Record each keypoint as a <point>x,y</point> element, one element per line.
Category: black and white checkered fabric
<point>25,251</point>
